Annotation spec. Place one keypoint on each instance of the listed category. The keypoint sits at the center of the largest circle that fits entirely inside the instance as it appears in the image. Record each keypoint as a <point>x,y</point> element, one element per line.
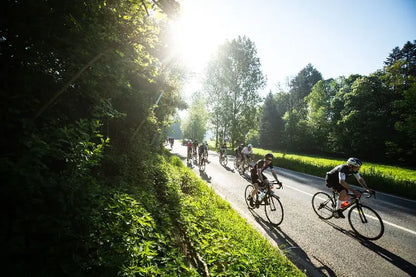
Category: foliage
<point>231,84</point>
<point>371,117</point>
<point>268,121</point>
<point>194,127</point>
<point>297,134</point>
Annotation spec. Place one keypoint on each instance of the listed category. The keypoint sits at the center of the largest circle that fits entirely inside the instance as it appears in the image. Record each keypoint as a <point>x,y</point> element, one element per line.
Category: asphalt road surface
<point>319,247</point>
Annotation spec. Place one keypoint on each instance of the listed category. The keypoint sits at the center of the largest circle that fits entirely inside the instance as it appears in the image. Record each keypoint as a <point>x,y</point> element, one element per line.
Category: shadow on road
<point>292,250</point>
<point>395,260</point>
<point>228,168</point>
<point>204,176</point>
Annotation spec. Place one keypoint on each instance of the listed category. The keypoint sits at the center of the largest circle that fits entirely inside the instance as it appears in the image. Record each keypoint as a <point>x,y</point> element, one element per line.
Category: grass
<point>386,178</point>
<point>390,179</point>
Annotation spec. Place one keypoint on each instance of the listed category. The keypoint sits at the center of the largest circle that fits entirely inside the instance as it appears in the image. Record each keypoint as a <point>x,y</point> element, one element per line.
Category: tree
<point>301,86</point>
<point>194,127</point>
<point>77,76</point>
<point>232,83</point>
<point>366,117</point>
<point>319,113</point>
<point>298,135</point>
<point>400,77</point>
<point>269,133</point>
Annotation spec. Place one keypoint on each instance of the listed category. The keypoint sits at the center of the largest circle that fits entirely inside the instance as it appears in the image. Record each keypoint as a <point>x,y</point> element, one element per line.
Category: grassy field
<point>386,178</point>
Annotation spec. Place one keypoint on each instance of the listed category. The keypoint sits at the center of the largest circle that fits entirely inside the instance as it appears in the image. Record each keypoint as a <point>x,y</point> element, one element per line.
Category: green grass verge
<point>390,179</point>
<point>162,220</point>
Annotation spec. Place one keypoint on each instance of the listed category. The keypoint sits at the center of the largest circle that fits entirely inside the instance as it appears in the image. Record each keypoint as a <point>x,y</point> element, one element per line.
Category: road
<point>322,248</point>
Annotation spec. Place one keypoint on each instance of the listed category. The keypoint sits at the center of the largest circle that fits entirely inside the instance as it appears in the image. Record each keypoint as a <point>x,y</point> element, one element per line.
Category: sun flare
<point>194,38</point>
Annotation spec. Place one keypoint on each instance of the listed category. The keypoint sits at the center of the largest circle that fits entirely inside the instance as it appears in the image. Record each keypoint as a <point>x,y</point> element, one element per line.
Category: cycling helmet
<point>354,162</point>
<point>269,156</point>
<point>242,145</point>
<point>250,145</point>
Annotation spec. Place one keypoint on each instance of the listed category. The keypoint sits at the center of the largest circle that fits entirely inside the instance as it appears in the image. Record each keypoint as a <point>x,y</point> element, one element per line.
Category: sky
<point>338,37</point>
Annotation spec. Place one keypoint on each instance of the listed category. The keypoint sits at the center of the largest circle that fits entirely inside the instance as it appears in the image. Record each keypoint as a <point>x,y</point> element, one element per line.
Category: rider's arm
<point>274,175</point>
<point>345,184</point>
<point>361,180</point>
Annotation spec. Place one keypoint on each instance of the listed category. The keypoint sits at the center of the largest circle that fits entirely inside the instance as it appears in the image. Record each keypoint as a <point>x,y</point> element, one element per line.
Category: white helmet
<point>354,162</point>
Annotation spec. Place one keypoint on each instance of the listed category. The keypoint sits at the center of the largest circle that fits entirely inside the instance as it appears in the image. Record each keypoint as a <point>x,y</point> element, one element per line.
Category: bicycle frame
<point>365,222</point>
<point>355,200</point>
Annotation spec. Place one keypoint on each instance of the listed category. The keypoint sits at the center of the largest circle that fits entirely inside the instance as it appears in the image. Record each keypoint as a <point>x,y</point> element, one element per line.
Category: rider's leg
<point>343,196</point>
<point>242,163</point>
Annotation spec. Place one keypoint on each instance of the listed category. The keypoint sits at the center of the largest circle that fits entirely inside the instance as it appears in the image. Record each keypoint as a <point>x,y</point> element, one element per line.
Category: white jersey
<point>245,151</point>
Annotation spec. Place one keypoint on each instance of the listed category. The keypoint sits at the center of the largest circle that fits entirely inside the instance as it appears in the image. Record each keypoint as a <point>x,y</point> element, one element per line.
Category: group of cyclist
<point>170,141</point>
<point>197,150</point>
<point>335,178</point>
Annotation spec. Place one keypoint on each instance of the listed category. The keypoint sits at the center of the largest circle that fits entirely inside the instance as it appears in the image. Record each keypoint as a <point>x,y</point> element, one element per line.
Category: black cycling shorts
<point>334,185</point>
<point>255,179</point>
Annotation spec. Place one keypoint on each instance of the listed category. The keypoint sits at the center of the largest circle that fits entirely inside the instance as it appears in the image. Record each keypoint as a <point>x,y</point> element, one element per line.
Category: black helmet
<point>354,162</point>
<point>269,156</point>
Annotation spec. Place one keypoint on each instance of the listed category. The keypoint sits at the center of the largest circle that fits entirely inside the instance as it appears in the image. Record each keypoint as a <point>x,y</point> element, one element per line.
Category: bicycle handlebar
<point>370,193</point>
<point>274,182</point>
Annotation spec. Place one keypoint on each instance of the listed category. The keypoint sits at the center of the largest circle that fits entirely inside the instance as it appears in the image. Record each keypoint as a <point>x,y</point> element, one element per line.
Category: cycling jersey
<point>260,165</point>
<point>247,152</point>
<point>340,172</point>
<point>201,149</point>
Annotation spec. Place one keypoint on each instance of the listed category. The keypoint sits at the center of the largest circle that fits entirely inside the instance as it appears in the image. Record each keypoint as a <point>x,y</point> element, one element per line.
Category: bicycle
<point>194,156</point>
<point>248,165</point>
<point>206,155</point>
<point>223,158</point>
<point>202,162</point>
<point>189,156</point>
<point>273,208</point>
<point>237,162</point>
<point>365,222</point>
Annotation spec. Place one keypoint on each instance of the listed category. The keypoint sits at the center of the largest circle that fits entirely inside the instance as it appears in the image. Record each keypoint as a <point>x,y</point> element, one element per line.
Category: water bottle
<point>261,196</point>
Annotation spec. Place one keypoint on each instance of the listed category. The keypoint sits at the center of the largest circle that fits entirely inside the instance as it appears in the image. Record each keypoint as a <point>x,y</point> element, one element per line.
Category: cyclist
<point>190,146</point>
<point>223,148</point>
<point>201,151</point>
<point>238,155</point>
<point>258,178</point>
<point>206,150</point>
<point>195,149</point>
<point>246,153</point>
<point>336,179</point>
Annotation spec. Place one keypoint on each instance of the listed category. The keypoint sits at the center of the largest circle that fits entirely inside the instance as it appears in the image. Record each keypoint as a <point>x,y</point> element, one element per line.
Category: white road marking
<point>384,221</point>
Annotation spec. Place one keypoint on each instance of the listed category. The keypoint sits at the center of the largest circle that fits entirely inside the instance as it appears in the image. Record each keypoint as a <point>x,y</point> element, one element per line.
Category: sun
<point>194,37</point>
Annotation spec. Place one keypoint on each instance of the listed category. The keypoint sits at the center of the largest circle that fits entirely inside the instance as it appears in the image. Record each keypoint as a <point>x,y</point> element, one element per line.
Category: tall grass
<point>385,178</point>
<point>390,179</point>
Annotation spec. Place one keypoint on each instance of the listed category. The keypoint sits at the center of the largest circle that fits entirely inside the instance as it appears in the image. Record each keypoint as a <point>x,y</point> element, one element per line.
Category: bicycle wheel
<point>323,205</point>
<point>247,193</point>
<point>274,210</point>
<point>366,222</point>
<point>202,166</point>
<point>236,163</point>
<point>223,161</point>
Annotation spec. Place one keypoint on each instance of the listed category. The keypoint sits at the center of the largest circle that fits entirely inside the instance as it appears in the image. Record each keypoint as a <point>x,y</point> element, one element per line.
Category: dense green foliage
<point>372,117</point>
<point>195,125</point>
<point>231,85</point>
<point>87,89</point>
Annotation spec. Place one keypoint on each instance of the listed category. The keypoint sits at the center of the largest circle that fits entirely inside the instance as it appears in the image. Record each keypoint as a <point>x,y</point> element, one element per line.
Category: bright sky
<point>338,37</point>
